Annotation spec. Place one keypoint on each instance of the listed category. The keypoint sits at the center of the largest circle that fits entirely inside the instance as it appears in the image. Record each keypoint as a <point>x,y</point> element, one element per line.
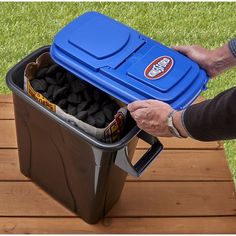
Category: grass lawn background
<point>28,26</point>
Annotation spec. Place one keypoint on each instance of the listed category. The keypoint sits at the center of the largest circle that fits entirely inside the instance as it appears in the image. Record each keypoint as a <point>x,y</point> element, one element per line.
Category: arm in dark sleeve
<point>232,46</point>
<point>213,119</point>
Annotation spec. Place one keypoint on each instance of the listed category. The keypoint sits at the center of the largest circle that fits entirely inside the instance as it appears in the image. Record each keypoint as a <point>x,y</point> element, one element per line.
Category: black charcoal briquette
<point>59,74</point>
<point>93,108</point>
<point>52,69</point>
<point>39,85</point>
<point>50,80</point>
<point>106,101</point>
<point>82,115</point>
<point>60,93</point>
<point>71,110</point>
<point>62,103</point>
<point>82,106</point>
<point>88,96</point>
<point>70,77</point>
<point>77,86</point>
<point>60,78</point>
<point>74,98</point>
<point>100,119</point>
<point>108,113</point>
<point>41,73</point>
<point>112,106</point>
<point>99,96</point>
<point>90,120</point>
<point>96,94</point>
<point>51,89</point>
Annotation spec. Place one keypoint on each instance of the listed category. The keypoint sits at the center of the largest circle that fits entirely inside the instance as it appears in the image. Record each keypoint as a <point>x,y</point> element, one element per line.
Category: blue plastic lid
<point>125,64</point>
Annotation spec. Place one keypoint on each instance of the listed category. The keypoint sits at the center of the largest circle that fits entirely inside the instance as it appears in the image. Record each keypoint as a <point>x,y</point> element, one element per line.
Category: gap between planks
<point>116,225</point>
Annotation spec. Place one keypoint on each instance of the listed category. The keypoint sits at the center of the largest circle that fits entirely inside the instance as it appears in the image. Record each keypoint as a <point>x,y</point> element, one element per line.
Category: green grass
<point>25,27</point>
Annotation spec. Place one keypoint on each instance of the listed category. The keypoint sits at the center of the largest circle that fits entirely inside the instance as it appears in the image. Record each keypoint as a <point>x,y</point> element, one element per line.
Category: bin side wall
<point>82,177</point>
<point>39,156</point>
<point>73,171</point>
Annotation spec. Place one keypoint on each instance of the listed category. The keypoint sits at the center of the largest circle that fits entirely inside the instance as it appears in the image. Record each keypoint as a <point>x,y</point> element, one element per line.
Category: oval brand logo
<point>159,67</point>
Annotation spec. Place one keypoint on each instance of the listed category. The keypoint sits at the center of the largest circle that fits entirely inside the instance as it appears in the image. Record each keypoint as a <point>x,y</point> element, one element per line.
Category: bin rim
<point>88,138</point>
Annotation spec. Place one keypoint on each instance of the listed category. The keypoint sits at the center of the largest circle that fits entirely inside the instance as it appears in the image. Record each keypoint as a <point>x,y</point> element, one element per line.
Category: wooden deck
<point>188,189</point>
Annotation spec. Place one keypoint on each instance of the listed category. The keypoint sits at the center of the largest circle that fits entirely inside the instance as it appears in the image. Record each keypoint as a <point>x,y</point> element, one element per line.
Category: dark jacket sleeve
<point>213,119</point>
<point>232,46</point>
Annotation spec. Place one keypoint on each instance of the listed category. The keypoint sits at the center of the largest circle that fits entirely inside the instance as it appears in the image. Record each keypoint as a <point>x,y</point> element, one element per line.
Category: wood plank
<point>8,134</point>
<point>187,165</point>
<point>9,165</point>
<point>27,199</point>
<point>196,165</point>
<point>6,111</point>
<point>119,225</point>
<point>7,98</point>
<point>189,143</point>
<point>143,199</point>
<point>152,199</point>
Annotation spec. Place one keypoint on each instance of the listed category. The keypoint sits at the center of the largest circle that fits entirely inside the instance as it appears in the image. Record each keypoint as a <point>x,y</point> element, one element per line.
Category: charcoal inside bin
<point>93,108</point>
<point>62,103</point>
<point>41,73</point>
<point>60,78</point>
<point>82,106</point>
<point>82,115</point>
<point>108,113</point>
<point>39,85</point>
<point>75,97</point>
<point>100,119</point>
<point>96,94</point>
<point>72,110</point>
<point>88,95</point>
<point>77,86</point>
<point>51,89</point>
<point>99,96</point>
<point>50,80</point>
<point>70,77</point>
<point>60,93</point>
<point>52,69</point>
<point>90,120</point>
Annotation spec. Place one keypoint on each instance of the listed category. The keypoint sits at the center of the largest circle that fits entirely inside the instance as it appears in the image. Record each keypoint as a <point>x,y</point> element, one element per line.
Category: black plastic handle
<point>123,161</point>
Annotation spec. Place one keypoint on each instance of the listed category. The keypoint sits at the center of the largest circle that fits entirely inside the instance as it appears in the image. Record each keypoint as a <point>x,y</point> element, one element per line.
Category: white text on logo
<point>159,67</point>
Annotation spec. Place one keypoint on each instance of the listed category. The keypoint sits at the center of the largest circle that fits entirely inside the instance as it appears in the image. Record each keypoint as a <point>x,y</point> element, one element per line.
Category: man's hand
<point>199,54</point>
<point>151,116</point>
<point>213,61</point>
